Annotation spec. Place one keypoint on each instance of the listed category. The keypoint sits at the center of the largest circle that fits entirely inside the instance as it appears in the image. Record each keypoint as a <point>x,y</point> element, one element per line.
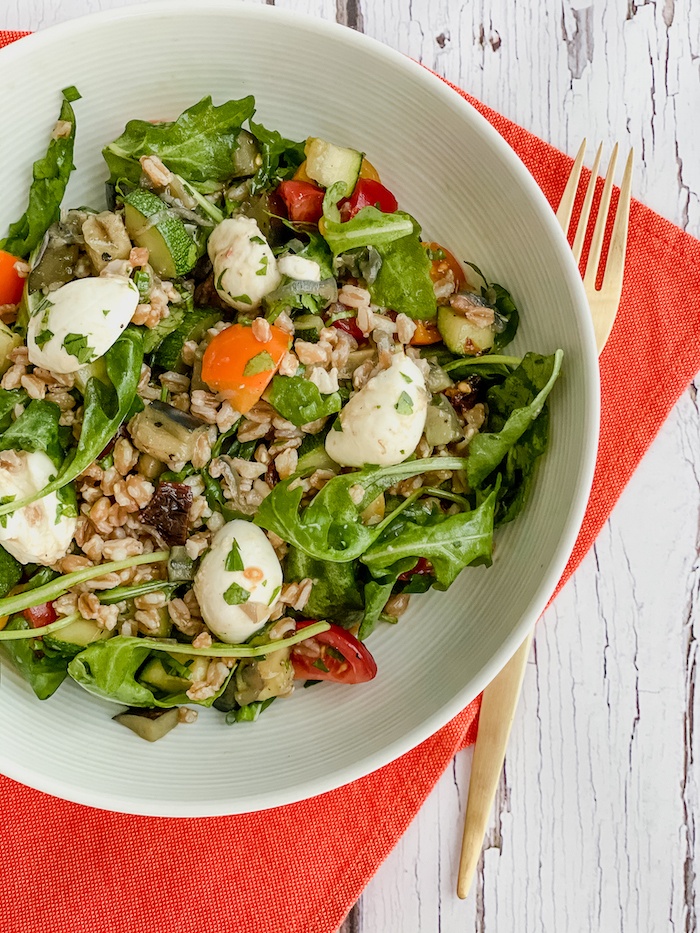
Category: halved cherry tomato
<point>367,170</point>
<point>350,326</point>
<point>333,655</point>
<point>300,174</point>
<point>426,333</point>
<point>443,262</point>
<point>239,364</point>
<point>368,192</point>
<point>37,616</point>
<point>11,283</point>
<point>303,200</point>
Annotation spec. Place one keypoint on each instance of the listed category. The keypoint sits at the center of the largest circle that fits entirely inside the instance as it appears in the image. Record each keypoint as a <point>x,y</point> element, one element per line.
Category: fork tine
<point>591,272</point>
<point>615,264</point>
<point>568,198</point>
<point>577,248</point>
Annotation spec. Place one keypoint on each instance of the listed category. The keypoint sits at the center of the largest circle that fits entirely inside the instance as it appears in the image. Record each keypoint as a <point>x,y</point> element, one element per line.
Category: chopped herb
<point>404,406</point>
<point>234,561</point>
<point>43,338</point>
<point>407,378</point>
<point>337,426</point>
<point>243,298</point>
<point>71,94</point>
<point>235,595</point>
<point>77,346</point>
<point>260,363</point>
<point>105,311</point>
<point>435,254</point>
<point>334,653</point>
<point>263,266</point>
<point>164,394</point>
<point>219,281</point>
<point>257,239</point>
<point>275,593</point>
<point>318,663</point>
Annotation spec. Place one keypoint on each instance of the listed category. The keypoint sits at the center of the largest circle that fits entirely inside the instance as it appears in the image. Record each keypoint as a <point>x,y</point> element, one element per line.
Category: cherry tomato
<point>37,616</point>
<point>350,326</point>
<point>11,284</point>
<point>237,363</point>
<point>333,655</point>
<point>426,333</point>
<point>367,170</point>
<point>368,192</point>
<point>422,569</point>
<point>442,263</point>
<point>303,200</point>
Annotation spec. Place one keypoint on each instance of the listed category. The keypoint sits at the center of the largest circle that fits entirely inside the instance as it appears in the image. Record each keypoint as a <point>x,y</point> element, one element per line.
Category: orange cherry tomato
<point>426,333</point>
<point>11,283</point>
<point>368,171</point>
<point>240,365</point>
<point>440,266</point>
<point>300,174</point>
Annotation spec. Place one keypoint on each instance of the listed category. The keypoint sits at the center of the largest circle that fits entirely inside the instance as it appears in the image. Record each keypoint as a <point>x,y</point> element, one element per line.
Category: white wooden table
<point>595,823</point>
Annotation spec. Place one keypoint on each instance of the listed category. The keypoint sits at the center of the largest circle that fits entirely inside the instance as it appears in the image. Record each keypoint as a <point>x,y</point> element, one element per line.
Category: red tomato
<point>350,326</point>
<point>440,266</point>
<point>303,200</point>
<point>11,285</point>
<point>422,569</point>
<point>40,615</point>
<point>333,655</point>
<point>368,193</point>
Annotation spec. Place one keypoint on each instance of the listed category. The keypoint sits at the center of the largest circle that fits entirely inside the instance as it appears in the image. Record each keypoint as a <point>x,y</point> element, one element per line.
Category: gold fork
<point>501,696</point>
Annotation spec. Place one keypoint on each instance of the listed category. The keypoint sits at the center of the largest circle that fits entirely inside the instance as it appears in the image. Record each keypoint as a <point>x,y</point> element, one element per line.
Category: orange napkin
<point>299,869</point>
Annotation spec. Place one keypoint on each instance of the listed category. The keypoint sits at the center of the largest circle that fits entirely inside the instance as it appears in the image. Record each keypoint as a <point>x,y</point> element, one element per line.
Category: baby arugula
<point>50,176</point>
<point>106,405</point>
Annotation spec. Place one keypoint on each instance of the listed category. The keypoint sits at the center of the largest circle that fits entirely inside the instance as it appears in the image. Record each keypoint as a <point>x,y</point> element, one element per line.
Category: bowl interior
<point>462,182</point>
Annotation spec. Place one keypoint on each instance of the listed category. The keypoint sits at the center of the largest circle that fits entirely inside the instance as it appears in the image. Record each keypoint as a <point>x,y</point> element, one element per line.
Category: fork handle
<point>495,720</point>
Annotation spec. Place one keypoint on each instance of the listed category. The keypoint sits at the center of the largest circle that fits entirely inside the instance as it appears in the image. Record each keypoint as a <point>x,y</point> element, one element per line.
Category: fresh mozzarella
<point>382,424</point>
<point>221,593</point>
<point>36,533</point>
<point>80,321</point>
<point>299,268</point>
<point>245,268</point>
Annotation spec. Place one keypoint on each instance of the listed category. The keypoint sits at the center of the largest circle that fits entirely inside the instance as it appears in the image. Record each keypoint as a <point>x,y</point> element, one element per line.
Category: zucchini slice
<point>171,249</point>
<point>327,164</point>
<point>461,336</point>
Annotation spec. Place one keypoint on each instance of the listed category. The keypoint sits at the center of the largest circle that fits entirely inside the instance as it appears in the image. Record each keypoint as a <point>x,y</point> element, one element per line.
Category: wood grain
<point>594,827</point>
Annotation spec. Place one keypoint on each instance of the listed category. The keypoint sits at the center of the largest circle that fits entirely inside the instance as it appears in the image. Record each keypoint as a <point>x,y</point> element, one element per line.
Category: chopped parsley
<point>257,239</point>
<point>263,266</point>
<point>334,653</point>
<point>337,426</point>
<point>71,94</point>
<point>105,311</point>
<point>275,593</point>
<point>219,286</point>
<point>235,595</point>
<point>318,663</point>
<point>43,338</point>
<point>404,406</point>
<point>234,561</point>
<point>242,298</point>
<point>407,378</point>
<point>260,363</point>
<point>77,346</point>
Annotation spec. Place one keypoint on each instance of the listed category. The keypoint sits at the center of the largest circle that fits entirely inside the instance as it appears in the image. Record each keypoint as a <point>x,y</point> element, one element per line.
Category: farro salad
<point>246,412</point>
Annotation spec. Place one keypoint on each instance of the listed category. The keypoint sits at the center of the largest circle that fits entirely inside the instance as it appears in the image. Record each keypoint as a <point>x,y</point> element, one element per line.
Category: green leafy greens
<point>280,157</point>
<point>300,401</point>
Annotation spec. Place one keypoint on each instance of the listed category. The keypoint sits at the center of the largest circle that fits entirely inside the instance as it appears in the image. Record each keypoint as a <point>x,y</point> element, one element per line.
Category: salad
<point>246,412</point>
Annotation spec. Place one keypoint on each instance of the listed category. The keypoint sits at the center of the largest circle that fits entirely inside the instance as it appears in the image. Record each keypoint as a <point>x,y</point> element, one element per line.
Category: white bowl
<point>450,169</point>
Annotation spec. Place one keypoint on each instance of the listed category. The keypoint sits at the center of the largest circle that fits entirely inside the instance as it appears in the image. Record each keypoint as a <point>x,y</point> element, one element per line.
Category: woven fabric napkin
<point>298,869</point>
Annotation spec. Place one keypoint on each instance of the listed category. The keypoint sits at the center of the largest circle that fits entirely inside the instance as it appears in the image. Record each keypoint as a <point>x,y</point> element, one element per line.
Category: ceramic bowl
<point>450,169</point>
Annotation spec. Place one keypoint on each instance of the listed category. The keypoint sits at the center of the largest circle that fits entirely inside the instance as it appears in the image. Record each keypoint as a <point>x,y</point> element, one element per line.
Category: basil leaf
<point>50,176</point>
<point>260,363</point>
<point>300,401</point>
<point>234,561</point>
<point>330,527</point>
<point>199,145</point>
<point>513,407</point>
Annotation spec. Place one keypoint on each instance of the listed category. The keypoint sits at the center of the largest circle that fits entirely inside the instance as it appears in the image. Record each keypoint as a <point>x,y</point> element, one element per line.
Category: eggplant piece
<point>56,267</point>
<point>180,565</point>
<point>264,678</point>
<point>168,512</point>
<point>166,433</point>
<point>149,724</point>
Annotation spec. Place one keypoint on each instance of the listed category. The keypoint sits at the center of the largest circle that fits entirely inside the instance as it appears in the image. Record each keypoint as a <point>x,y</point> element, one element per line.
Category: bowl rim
<point>366,764</point>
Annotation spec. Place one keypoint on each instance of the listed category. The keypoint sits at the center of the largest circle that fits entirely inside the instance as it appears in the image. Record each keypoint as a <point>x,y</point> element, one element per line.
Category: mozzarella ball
<point>80,321</point>
<point>382,424</point>
<point>245,268</point>
<point>36,533</point>
<point>299,268</point>
<point>221,593</point>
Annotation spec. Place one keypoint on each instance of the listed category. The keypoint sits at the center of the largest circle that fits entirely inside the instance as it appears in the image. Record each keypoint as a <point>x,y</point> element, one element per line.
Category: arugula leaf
<point>105,407</point>
<point>336,592</point>
<point>280,157</point>
<point>300,401</point>
<point>43,672</point>
<point>10,572</point>
<point>109,669</point>
<point>513,407</point>
<point>50,176</point>
<point>330,527</point>
<point>450,545</point>
<point>248,713</point>
<point>37,428</point>
<point>199,145</point>
<point>403,281</point>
